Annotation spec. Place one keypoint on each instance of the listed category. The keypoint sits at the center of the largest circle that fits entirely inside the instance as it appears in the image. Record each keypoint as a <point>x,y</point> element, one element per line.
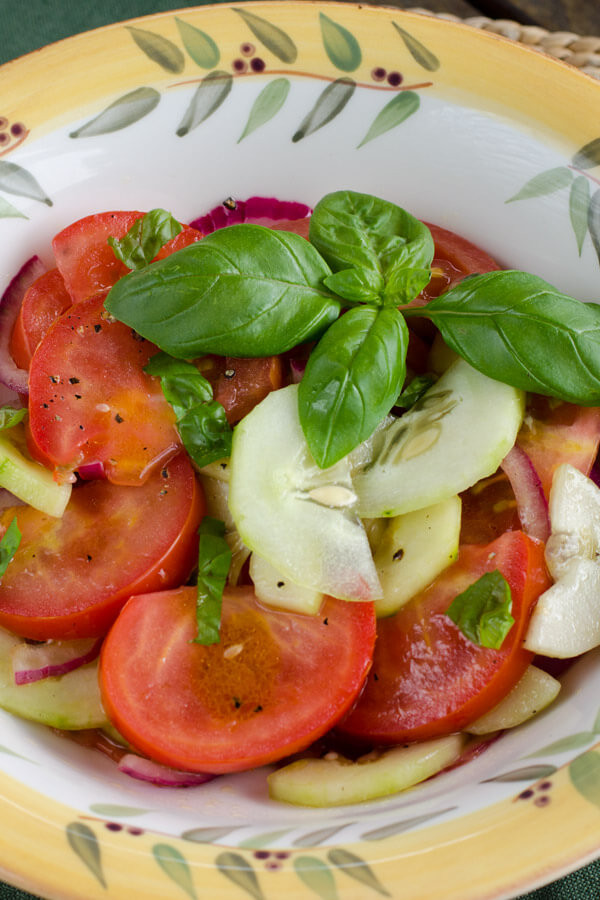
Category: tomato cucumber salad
<point>313,488</point>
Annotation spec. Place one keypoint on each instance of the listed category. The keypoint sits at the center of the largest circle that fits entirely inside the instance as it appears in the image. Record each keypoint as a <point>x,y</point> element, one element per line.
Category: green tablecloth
<point>32,24</point>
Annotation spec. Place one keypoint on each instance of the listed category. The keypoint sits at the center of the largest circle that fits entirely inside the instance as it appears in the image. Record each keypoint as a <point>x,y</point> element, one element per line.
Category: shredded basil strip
<point>9,545</point>
<point>483,611</point>
<point>145,238</point>
<point>413,392</point>
<point>201,421</point>
<point>214,560</point>
<point>9,417</point>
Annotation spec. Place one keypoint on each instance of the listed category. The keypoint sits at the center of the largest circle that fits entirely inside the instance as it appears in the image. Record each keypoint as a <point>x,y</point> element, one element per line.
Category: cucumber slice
<point>459,432</point>
<point>413,550</point>
<point>298,517</point>
<point>28,480</point>
<point>336,781</point>
<point>535,690</point>
<point>70,702</point>
<point>273,589</point>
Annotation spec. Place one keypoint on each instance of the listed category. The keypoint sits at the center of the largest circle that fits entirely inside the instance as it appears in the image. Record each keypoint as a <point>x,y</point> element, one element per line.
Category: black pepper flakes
<point>326,621</point>
<point>229,373</point>
<point>280,584</point>
<point>55,379</point>
<point>230,203</point>
<point>398,555</point>
<point>119,418</point>
<point>73,380</point>
<point>97,328</point>
<point>237,702</point>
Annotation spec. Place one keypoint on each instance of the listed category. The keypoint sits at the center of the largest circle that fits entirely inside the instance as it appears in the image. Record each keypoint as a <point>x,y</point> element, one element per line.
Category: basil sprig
<point>214,560</point>
<point>9,545</point>
<point>483,611</point>
<point>201,421</point>
<point>250,291</point>
<point>520,330</point>
<point>145,238</point>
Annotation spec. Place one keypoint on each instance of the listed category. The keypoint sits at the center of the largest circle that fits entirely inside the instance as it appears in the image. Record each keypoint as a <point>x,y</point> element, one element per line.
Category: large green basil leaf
<point>242,291</point>
<point>352,380</point>
<point>520,330</point>
<point>353,230</point>
<point>483,612</point>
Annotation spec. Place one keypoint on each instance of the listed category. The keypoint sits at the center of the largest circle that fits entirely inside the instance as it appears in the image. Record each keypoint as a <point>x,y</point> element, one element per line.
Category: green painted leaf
<point>206,835</point>
<point>115,811</point>
<point>421,55</point>
<point>16,180</point>
<point>572,742</point>
<point>314,838</point>
<point>10,752</point>
<point>594,221</point>
<point>234,867</point>
<point>588,156</point>
<point>85,844</point>
<point>123,112</point>
<point>341,46</point>
<point>210,94</point>
<point>584,772</point>
<point>8,211</point>
<point>393,828</point>
<point>356,868</point>
<point>199,45</point>
<point>544,183</point>
<point>393,113</point>
<point>159,49</point>
<point>525,773</point>
<point>175,867</point>
<point>267,839</point>
<point>317,876</point>
<point>329,104</point>
<point>579,204</point>
<point>596,725</point>
<point>267,104</point>
<point>274,39</point>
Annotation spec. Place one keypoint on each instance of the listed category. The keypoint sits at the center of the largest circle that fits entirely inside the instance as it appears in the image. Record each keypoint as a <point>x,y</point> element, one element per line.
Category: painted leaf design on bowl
<point>159,49</point>
<point>175,867</point>
<point>341,46</point>
<point>317,876</point>
<point>237,869</point>
<point>124,111</point>
<point>396,111</point>
<point>16,180</point>
<point>421,55</point>
<point>86,846</point>
<point>199,45</point>
<point>274,38</point>
<point>267,104</point>
<point>356,868</point>
<point>210,94</point>
<point>584,772</point>
<point>329,104</point>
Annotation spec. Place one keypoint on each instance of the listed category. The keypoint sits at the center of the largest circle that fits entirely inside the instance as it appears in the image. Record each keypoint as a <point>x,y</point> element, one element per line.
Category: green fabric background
<point>26,25</point>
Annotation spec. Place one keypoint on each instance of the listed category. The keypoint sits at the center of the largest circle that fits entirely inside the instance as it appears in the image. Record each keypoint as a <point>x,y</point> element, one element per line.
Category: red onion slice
<point>531,502</point>
<point>146,770</point>
<point>260,210</point>
<point>91,471</point>
<point>10,375</point>
<point>297,367</point>
<point>33,662</point>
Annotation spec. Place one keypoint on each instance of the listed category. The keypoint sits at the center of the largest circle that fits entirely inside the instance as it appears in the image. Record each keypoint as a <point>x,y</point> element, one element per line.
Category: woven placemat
<point>582,52</point>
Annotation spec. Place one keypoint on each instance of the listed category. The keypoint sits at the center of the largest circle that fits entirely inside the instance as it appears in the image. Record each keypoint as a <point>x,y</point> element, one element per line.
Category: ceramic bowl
<point>293,100</point>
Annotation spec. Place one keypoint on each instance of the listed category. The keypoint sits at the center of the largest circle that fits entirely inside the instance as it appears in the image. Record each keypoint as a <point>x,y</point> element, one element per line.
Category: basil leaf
<point>360,231</point>
<point>483,611</point>
<point>244,290</point>
<point>520,330</point>
<point>145,238</point>
<point>214,560</point>
<point>9,545</point>
<point>352,380</point>
<point>201,421</point>
<point>357,285</point>
<point>9,417</point>
<point>411,394</point>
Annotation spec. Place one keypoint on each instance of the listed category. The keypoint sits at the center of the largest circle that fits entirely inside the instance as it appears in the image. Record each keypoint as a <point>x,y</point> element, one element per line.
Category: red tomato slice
<point>275,683</point>
<point>454,258</point>
<point>91,402</point>
<point>70,576</point>
<point>42,304</point>
<point>240,383</point>
<point>554,432</point>
<point>428,679</point>
<point>87,261</point>
<point>489,508</point>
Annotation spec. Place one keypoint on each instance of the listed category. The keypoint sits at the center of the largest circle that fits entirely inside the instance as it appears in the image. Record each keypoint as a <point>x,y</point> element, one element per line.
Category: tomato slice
<point>489,508</point>
<point>91,402</point>
<point>87,261</point>
<point>70,576</point>
<point>275,683</point>
<point>428,679</point>
<point>240,383</point>
<point>42,304</point>
<point>554,432</point>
